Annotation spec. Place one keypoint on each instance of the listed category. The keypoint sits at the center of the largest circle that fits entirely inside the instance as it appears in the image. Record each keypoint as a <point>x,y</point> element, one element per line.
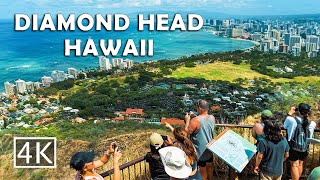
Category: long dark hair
<point>181,135</point>
<point>272,132</point>
<point>304,111</point>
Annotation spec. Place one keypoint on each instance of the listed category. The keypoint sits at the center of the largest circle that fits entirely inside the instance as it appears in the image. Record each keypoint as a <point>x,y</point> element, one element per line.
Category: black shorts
<point>204,163</point>
<point>296,155</point>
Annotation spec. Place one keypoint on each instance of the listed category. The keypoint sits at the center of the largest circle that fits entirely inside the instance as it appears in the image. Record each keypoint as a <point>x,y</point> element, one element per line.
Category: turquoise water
<point>30,55</point>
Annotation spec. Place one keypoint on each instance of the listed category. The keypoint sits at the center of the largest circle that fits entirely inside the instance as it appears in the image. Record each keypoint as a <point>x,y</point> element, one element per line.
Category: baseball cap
<point>304,108</point>
<point>79,159</point>
<point>266,113</point>
<point>174,161</point>
<point>156,140</point>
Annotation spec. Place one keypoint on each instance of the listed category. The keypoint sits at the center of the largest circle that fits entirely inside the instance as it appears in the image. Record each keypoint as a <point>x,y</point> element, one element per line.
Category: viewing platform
<point>139,168</point>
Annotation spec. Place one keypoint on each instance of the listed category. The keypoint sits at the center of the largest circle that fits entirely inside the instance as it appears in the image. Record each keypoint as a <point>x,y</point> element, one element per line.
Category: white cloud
<point>143,4</point>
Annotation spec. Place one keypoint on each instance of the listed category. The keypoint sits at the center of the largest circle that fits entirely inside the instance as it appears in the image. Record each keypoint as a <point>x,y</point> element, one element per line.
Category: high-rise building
<point>275,34</point>
<point>73,72</point>
<point>295,41</point>
<point>58,76</point>
<point>313,54</point>
<point>233,32</point>
<point>311,47</point>
<point>9,88</point>
<point>266,45</point>
<point>21,86</point>
<point>29,86</point>
<point>256,37</point>
<point>292,31</point>
<point>46,81</point>
<point>104,63</point>
<point>296,50</point>
<point>37,85</point>
<point>126,64</point>
<point>218,22</point>
<point>287,38</point>
<point>116,62</point>
<point>283,48</point>
<point>313,39</point>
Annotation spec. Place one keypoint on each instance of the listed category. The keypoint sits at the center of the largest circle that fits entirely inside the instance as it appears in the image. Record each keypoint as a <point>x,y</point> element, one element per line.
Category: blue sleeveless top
<point>201,138</point>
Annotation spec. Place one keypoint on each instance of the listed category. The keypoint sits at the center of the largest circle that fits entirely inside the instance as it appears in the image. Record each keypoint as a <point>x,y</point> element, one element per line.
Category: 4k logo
<point>35,152</point>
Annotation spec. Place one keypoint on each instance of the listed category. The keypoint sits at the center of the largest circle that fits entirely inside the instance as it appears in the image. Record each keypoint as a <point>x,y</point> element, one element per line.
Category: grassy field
<point>228,71</point>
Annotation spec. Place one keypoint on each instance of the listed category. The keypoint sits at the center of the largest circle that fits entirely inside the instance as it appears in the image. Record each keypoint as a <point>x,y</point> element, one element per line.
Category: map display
<point>232,149</point>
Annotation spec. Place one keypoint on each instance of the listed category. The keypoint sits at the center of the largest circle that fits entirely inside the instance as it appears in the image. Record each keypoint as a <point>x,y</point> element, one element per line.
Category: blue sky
<point>233,7</point>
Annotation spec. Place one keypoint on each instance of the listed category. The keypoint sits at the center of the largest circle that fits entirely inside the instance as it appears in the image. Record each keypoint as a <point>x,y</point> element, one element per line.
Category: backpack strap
<point>297,120</point>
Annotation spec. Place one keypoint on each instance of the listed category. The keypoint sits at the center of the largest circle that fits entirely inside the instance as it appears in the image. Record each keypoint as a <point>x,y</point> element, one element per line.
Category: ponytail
<point>305,122</point>
<point>273,132</point>
<point>181,136</point>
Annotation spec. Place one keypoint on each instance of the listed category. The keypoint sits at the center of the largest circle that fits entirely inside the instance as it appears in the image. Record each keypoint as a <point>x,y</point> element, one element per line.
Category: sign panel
<point>232,149</point>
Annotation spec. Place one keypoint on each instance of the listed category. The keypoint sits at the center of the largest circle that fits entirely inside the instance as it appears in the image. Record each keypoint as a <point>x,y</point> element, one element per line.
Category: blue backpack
<point>299,139</point>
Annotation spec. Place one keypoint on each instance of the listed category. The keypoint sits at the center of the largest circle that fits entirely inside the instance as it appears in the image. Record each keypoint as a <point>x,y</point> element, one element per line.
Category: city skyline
<point>225,7</point>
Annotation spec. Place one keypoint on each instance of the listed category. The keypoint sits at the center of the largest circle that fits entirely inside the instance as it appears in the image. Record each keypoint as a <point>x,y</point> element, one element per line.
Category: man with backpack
<point>299,128</point>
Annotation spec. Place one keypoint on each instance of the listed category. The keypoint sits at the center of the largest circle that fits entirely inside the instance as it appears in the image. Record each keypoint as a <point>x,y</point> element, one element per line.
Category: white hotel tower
<point>21,86</point>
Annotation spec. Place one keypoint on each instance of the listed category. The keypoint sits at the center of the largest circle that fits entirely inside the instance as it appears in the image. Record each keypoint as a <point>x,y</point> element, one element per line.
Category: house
<point>186,100</point>
<point>43,121</point>
<point>226,98</point>
<point>135,113</point>
<point>1,123</point>
<point>119,118</point>
<point>78,120</point>
<point>172,121</point>
<point>69,113</point>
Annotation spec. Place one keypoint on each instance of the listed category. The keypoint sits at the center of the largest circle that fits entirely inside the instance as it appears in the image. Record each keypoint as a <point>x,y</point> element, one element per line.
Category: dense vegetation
<point>140,87</point>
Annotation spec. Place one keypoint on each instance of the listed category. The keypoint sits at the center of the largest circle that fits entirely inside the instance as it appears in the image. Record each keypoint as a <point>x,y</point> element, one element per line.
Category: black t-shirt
<point>156,167</point>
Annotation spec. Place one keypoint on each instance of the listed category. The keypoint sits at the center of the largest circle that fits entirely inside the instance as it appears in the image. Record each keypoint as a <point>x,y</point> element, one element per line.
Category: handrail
<point>123,166</point>
<point>247,126</point>
<point>140,159</point>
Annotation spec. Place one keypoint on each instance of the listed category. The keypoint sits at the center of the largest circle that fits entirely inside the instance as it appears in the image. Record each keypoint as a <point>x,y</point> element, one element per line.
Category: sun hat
<point>79,159</point>
<point>156,140</point>
<point>174,162</point>
<point>266,113</point>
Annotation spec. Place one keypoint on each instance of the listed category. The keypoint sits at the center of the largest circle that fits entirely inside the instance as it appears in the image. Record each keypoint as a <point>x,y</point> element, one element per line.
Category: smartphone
<point>164,137</point>
<point>114,145</point>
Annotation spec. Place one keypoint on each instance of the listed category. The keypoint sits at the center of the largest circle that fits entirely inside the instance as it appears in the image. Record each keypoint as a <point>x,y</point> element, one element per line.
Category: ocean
<point>30,55</point>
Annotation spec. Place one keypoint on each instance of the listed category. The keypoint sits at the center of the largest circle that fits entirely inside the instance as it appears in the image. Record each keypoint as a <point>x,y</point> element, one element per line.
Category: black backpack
<point>299,139</point>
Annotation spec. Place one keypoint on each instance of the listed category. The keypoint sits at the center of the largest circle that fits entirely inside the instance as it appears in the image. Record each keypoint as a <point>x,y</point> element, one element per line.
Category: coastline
<point>216,33</point>
<point>139,62</point>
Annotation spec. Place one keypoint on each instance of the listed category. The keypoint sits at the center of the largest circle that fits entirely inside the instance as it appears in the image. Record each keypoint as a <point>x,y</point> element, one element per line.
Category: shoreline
<point>215,33</point>
<point>2,89</point>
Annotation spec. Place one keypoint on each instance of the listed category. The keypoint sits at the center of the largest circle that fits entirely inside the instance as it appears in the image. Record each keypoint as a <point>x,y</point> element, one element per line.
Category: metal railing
<point>139,169</point>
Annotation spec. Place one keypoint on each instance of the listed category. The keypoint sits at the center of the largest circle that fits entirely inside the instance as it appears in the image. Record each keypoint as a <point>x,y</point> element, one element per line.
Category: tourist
<point>182,141</point>
<point>85,165</point>
<point>272,152</point>
<point>175,162</point>
<point>153,158</point>
<point>257,129</point>
<point>315,174</point>
<point>201,129</point>
<point>299,128</point>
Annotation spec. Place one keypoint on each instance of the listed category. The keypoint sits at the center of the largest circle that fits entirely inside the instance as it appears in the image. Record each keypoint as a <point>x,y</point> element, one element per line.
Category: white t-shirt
<point>290,125</point>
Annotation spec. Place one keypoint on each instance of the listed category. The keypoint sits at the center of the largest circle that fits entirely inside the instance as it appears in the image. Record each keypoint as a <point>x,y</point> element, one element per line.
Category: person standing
<point>85,164</point>
<point>201,129</point>
<point>153,158</point>
<point>315,174</point>
<point>299,128</point>
<point>257,129</point>
<point>272,152</point>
